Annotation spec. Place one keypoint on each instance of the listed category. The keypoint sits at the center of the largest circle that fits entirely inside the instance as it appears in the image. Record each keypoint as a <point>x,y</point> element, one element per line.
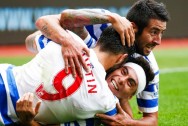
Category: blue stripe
<point>12,87</point>
<point>89,43</point>
<point>90,122</point>
<point>156,73</point>
<point>91,31</point>
<point>112,112</point>
<point>3,103</point>
<point>41,42</point>
<point>103,26</point>
<point>147,103</point>
<point>48,40</point>
<point>67,124</point>
<point>151,88</point>
<point>147,58</point>
<point>76,123</point>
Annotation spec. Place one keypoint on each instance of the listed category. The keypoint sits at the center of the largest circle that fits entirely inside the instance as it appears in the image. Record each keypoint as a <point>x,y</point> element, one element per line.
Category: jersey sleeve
<point>41,41</point>
<point>148,99</point>
<point>96,29</point>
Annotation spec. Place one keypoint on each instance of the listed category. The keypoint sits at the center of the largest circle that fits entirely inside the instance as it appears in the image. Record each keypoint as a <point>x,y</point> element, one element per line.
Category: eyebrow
<point>130,78</point>
<point>158,29</point>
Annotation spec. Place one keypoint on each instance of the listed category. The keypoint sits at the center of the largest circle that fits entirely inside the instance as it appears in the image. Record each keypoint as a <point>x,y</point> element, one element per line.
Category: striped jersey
<point>63,98</point>
<point>148,99</point>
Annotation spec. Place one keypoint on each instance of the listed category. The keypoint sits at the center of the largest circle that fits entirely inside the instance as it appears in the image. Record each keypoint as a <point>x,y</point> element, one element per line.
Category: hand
<point>72,53</point>
<point>24,109</point>
<point>124,28</point>
<point>121,119</point>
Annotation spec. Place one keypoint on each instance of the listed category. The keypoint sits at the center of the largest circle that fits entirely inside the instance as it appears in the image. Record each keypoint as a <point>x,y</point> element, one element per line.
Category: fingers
<point>119,109</point>
<point>87,52</point>
<point>103,116</point>
<point>37,107</point>
<point>72,65</point>
<point>74,60</point>
<point>130,35</point>
<point>66,65</point>
<point>25,101</point>
<point>123,39</point>
<point>105,119</point>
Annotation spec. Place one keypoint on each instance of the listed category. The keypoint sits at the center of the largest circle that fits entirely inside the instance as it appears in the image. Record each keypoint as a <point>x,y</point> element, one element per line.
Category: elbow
<point>40,22</point>
<point>65,18</point>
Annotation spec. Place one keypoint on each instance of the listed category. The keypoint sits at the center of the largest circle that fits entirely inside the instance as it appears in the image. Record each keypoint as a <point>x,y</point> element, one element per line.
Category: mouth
<point>115,85</point>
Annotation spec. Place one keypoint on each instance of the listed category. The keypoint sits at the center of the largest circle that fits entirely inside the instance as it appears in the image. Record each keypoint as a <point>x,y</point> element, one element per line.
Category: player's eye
<point>124,71</point>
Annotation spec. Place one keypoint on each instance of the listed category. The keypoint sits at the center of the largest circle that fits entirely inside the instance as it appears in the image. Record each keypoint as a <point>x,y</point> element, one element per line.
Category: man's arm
<point>84,17</point>
<point>72,53</point>
<point>122,119</point>
<point>126,107</point>
<point>30,42</point>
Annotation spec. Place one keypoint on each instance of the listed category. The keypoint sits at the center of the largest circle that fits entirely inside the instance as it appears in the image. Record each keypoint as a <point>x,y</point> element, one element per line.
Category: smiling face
<point>150,37</point>
<point>123,82</point>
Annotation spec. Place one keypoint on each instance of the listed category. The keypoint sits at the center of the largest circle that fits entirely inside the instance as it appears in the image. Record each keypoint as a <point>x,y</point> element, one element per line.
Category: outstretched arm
<point>83,17</point>
<point>123,119</point>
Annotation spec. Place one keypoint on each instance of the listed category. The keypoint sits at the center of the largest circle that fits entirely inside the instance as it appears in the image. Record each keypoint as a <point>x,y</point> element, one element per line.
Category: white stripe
<point>174,70</point>
<point>148,95</point>
<point>148,110</point>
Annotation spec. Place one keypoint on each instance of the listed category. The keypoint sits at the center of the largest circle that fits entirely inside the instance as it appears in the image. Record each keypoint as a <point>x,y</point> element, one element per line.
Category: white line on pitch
<point>173,70</point>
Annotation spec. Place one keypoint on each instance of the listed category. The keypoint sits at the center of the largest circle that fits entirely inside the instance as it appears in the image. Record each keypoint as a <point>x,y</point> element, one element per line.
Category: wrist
<point>112,17</point>
<point>60,38</point>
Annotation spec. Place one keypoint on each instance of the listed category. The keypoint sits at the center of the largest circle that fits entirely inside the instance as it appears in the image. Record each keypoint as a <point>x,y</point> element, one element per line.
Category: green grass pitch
<point>173,89</point>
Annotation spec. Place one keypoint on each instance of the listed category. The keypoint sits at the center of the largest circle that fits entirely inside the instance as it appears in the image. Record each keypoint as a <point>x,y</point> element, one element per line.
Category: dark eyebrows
<point>131,79</point>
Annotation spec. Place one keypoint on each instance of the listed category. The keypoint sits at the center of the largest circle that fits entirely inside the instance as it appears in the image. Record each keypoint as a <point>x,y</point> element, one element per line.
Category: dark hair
<point>143,10</point>
<point>146,67</point>
<point>141,62</point>
<point>110,41</point>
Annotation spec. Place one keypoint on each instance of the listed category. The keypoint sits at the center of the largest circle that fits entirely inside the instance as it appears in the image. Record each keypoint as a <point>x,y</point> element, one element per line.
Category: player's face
<point>150,36</point>
<point>123,82</point>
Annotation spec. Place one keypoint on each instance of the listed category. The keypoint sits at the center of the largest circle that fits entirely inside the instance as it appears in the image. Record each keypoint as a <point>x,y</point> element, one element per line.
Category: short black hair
<point>143,10</point>
<point>110,41</point>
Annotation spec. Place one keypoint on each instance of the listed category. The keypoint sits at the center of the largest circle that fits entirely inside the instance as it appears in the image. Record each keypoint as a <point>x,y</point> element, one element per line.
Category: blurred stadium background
<point>17,19</point>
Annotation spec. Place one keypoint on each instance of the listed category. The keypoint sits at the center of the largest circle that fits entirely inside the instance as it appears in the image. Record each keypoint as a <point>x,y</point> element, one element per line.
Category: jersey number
<point>61,91</point>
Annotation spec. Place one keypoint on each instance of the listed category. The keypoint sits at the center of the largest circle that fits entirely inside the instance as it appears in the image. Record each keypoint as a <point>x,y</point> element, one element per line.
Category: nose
<point>157,39</point>
<point>123,80</point>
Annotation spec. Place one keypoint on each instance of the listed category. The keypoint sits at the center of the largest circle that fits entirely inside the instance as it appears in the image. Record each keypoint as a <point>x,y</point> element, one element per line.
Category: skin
<point>125,78</point>
<point>123,82</point>
<point>151,36</point>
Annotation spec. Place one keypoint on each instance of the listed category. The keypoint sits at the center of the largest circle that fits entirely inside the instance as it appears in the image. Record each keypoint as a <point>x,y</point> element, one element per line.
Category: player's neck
<point>106,59</point>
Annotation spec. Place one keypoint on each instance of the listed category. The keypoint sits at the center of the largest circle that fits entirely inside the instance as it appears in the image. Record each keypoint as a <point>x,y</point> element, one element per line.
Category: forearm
<point>150,119</point>
<point>83,17</point>
<point>50,27</point>
<point>30,42</point>
<point>126,107</point>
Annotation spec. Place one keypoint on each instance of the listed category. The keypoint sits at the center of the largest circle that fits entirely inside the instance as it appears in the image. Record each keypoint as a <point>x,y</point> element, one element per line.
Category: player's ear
<point>121,58</point>
<point>134,27</point>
